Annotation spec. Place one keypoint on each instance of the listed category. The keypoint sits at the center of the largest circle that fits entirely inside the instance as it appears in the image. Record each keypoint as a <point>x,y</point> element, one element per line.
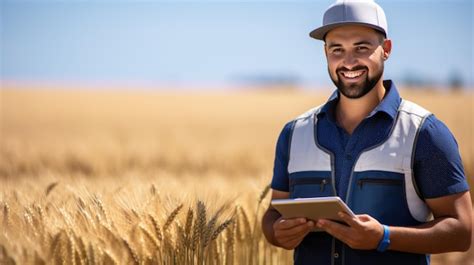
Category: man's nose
<point>350,60</point>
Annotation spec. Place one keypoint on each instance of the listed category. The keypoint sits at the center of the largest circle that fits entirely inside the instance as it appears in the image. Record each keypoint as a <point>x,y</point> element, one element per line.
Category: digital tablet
<point>312,208</point>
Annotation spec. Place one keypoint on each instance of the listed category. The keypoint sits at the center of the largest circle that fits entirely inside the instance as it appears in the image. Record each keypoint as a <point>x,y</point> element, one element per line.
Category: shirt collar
<point>388,105</point>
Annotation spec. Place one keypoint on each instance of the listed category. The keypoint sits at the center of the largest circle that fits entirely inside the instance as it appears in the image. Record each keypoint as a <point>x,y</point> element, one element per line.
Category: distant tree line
<point>453,82</point>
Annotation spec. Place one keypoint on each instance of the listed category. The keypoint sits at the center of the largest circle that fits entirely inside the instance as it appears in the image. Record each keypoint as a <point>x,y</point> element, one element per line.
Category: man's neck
<point>351,112</point>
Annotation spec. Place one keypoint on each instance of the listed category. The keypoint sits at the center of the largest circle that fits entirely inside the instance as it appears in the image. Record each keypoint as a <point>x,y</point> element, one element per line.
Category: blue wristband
<point>385,241</point>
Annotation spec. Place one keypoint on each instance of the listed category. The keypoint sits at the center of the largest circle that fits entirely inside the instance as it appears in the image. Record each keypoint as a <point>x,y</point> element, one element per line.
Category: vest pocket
<point>309,184</point>
<point>380,195</point>
<point>374,181</point>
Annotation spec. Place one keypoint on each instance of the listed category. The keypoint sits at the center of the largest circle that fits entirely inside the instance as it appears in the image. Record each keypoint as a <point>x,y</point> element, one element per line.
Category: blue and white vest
<point>381,185</point>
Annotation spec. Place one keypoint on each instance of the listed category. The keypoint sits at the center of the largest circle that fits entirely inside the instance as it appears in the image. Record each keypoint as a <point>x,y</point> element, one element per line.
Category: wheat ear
<point>199,224</point>
<point>109,258</point>
<point>150,237</point>
<point>50,188</point>
<point>156,227</point>
<point>132,252</point>
<point>221,228</point>
<point>171,217</point>
<point>264,193</point>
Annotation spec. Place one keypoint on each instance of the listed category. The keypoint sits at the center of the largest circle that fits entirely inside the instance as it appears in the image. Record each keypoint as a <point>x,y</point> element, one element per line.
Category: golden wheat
<point>108,185</point>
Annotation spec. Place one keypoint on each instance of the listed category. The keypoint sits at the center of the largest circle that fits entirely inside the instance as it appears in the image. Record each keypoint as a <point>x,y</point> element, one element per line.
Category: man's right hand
<point>289,233</point>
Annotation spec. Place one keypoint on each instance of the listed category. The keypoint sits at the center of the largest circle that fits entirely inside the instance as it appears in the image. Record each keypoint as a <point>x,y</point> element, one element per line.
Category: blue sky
<point>216,42</point>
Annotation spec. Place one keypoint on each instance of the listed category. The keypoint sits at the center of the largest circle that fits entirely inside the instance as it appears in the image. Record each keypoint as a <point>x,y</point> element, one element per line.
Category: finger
<point>352,221</point>
<point>289,223</point>
<point>335,229</point>
<point>295,231</point>
<point>295,242</point>
<point>298,232</point>
<point>364,217</point>
<point>298,236</point>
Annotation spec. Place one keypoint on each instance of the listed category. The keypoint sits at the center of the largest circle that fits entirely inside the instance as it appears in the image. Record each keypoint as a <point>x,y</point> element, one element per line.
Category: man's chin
<point>353,90</point>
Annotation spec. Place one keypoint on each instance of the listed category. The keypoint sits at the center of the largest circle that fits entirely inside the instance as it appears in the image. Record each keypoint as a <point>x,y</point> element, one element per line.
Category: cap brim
<point>321,32</point>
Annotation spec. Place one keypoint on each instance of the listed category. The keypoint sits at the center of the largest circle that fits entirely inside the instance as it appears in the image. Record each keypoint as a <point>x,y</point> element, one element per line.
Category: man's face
<point>355,56</point>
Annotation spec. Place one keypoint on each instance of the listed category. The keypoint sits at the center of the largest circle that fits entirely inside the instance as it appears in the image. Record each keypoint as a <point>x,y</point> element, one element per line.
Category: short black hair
<point>382,36</point>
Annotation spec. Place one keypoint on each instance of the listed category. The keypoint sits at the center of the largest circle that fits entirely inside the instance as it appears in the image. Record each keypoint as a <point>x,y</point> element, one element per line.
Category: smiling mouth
<point>352,74</point>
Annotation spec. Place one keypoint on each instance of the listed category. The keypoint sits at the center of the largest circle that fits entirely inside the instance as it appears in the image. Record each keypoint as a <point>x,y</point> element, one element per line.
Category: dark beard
<point>355,91</point>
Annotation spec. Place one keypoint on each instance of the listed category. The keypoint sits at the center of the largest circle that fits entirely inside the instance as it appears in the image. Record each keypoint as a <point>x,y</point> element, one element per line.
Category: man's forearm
<point>440,235</point>
<point>269,218</point>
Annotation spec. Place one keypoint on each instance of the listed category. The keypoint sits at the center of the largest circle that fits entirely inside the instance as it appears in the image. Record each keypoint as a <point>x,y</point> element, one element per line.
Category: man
<point>394,163</point>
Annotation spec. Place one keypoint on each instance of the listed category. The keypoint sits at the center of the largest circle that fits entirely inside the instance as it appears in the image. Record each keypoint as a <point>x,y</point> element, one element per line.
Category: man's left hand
<point>363,232</point>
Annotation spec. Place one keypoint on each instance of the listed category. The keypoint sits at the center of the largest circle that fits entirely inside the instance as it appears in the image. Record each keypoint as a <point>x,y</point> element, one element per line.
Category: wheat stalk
<point>91,254</point>
<point>72,249</point>
<point>6,215</point>
<point>40,212</point>
<point>131,252</point>
<point>246,222</point>
<point>40,222</point>
<point>59,247</point>
<point>221,228</point>
<point>153,190</point>
<point>180,249</point>
<point>110,235</point>
<point>172,216</point>
<point>264,193</point>
<point>156,227</point>
<point>229,252</point>
<point>101,206</point>
<point>199,224</point>
<point>28,216</point>
<point>80,203</point>
<point>54,246</point>
<point>254,243</point>
<point>81,249</point>
<point>109,259</point>
<point>50,188</point>
<point>208,231</point>
<point>90,221</point>
<point>188,225</point>
<point>150,237</point>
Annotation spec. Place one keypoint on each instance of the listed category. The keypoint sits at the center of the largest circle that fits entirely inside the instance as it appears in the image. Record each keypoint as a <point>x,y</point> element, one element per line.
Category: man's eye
<point>362,49</point>
<point>337,51</point>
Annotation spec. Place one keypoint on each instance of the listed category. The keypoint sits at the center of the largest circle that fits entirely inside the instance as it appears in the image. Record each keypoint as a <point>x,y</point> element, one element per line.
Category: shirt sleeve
<point>437,165</point>
<point>280,180</point>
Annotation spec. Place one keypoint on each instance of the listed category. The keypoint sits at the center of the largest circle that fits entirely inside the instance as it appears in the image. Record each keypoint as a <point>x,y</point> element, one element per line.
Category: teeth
<point>352,74</point>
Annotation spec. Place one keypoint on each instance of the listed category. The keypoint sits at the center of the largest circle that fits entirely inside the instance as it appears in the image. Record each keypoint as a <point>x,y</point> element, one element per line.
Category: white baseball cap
<point>352,12</point>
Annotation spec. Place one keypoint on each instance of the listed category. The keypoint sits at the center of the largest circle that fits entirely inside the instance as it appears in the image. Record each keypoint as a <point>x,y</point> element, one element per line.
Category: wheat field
<point>142,176</point>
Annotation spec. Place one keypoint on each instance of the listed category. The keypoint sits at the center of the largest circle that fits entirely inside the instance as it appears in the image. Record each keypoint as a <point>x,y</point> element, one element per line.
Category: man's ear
<point>325,51</point>
<point>387,48</point>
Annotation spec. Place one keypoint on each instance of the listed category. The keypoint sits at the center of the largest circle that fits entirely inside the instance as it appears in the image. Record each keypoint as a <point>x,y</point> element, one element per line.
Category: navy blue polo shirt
<point>438,168</point>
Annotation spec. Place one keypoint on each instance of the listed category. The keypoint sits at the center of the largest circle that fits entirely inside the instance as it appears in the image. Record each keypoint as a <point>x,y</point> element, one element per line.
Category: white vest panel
<point>304,152</point>
<point>395,155</point>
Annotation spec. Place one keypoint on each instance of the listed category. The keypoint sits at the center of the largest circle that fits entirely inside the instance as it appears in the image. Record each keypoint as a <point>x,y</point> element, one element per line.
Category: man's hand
<point>289,233</point>
<point>363,232</point>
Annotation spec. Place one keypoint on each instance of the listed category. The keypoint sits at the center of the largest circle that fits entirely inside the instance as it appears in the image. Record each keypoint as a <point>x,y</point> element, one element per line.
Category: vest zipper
<point>310,180</point>
<point>356,159</point>
<point>333,176</point>
<point>323,183</point>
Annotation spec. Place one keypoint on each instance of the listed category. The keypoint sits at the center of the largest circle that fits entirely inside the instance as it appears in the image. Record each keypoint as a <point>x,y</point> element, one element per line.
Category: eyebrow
<point>331,45</point>
<point>364,42</point>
